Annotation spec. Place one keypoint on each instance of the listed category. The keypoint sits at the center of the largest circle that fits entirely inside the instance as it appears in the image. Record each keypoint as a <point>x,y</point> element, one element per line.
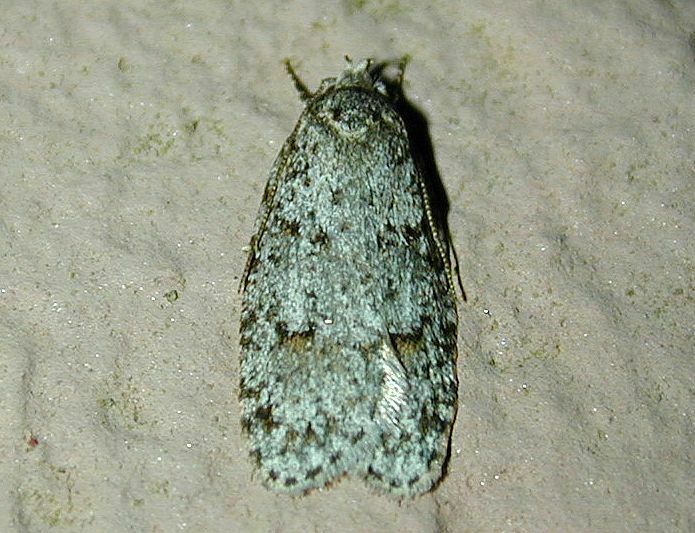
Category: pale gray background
<point>136,140</point>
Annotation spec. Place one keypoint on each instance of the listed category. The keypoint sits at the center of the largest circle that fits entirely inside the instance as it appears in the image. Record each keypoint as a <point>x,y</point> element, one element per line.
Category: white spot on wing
<point>393,387</point>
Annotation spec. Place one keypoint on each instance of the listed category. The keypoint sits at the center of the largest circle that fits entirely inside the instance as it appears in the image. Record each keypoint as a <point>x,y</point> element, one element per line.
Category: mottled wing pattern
<point>348,329</point>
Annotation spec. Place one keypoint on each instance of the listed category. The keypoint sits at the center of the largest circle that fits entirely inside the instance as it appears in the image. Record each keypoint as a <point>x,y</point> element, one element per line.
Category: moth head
<point>351,111</point>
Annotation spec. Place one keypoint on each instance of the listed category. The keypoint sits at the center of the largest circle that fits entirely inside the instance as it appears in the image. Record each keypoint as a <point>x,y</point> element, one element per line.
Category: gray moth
<point>349,322</point>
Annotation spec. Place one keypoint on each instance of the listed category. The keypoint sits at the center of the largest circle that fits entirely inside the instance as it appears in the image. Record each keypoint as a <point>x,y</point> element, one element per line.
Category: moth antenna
<point>304,93</point>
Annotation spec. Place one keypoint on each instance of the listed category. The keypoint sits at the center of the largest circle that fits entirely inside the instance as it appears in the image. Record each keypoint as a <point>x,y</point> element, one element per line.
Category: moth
<point>349,322</point>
